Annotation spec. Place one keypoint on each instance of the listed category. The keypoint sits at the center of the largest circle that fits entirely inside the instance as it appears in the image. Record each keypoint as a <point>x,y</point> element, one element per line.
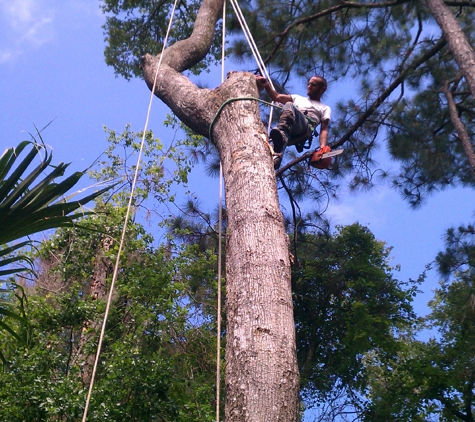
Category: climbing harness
<point>305,141</point>
<point>302,142</point>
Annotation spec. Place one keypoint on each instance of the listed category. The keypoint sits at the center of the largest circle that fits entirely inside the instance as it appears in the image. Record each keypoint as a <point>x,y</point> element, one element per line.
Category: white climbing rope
<point>129,207</point>
<point>254,49</point>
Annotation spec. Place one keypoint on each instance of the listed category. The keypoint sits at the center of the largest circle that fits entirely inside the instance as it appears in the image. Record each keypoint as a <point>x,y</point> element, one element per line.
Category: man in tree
<point>300,116</point>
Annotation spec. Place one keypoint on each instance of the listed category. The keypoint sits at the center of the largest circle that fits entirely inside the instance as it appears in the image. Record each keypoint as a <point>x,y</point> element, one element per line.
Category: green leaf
<point>31,201</point>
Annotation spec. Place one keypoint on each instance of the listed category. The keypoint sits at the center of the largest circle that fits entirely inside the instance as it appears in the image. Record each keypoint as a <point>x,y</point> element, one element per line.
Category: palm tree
<point>30,202</point>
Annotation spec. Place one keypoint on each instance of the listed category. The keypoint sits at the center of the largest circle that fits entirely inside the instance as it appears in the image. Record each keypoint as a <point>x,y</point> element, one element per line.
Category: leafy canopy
<point>433,379</point>
<point>388,58</point>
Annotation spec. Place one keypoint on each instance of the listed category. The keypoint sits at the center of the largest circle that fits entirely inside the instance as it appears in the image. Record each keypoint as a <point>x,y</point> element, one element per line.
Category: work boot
<point>279,140</point>
<point>280,136</point>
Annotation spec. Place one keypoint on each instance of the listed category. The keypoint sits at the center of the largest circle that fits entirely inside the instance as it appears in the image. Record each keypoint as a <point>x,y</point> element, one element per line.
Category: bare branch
<point>186,53</point>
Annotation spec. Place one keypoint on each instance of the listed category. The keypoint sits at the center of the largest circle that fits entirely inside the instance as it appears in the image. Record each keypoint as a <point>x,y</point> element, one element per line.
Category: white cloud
<point>88,7</point>
<point>7,56</point>
<point>26,24</point>
<point>363,207</point>
<point>18,12</point>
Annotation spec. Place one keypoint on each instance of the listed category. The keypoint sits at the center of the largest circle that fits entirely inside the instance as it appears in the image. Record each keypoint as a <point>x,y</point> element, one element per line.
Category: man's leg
<point>292,123</point>
<point>300,123</point>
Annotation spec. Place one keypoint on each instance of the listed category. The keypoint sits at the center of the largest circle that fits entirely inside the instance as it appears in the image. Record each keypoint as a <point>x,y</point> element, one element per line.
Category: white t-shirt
<point>315,109</point>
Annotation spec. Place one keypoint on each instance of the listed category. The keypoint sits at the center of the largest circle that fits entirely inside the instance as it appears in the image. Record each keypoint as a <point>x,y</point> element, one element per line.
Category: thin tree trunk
<point>464,55</point>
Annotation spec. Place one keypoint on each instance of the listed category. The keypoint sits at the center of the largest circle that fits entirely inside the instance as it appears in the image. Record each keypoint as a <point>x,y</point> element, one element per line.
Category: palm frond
<point>13,311</point>
<point>31,201</point>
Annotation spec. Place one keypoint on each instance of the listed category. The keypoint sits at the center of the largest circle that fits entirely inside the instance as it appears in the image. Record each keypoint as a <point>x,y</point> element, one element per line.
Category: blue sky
<point>52,69</point>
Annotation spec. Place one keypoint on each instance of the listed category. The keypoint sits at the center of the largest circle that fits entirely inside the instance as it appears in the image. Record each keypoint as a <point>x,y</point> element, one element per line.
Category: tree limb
<point>292,163</point>
<point>459,45</point>
<point>195,107</point>
<point>186,53</point>
<point>452,409</point>
<point>460,128</point>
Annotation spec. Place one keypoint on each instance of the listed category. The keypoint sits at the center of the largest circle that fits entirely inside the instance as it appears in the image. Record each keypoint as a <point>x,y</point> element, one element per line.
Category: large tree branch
<point>193,106</point>
<point>453,409</point>
<point>186,53</point>
<point>183,97</point>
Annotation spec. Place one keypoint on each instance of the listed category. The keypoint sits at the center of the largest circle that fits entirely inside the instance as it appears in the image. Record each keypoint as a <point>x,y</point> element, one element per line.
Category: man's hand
<point>318,155</point>
<point>317,159</point>
<point>274,96</point>
<point>261,82</point>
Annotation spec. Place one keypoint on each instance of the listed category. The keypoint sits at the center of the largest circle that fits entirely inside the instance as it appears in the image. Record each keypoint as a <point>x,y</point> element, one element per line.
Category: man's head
<point>316,86</point>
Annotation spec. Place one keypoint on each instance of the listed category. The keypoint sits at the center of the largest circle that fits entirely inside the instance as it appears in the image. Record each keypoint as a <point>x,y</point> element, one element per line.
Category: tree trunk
<point>459,46</point>
<point>262,381</point>
<point>97,289</point>
<point>261,369</point>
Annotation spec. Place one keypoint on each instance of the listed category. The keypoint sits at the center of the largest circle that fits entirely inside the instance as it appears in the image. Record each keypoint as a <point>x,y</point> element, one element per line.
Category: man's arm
<point>273,94</point>
<point>324,133</point>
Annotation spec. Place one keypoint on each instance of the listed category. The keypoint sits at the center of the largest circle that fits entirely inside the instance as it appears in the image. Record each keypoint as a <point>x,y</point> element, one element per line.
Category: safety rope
<point>129,207</point>
<point>232,100</point>
<point>254,49</point>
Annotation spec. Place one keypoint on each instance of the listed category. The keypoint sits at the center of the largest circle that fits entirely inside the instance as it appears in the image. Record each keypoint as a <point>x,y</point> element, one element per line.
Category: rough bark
<point>459,46</point>
<point>261,368</point>
<point>97,290</point>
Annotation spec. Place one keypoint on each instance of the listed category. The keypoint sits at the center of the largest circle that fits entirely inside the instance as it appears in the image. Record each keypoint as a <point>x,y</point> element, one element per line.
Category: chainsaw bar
<point>332,153</point>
